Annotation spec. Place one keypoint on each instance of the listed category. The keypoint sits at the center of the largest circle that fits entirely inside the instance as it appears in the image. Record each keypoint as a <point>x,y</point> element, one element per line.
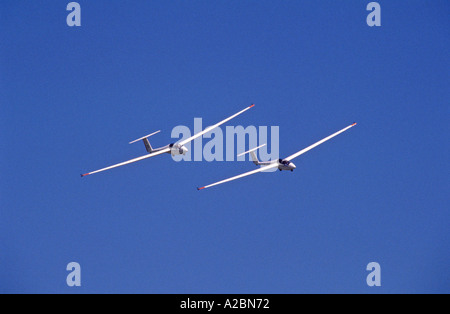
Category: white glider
<point>173,149</point>
<point>281,164</point>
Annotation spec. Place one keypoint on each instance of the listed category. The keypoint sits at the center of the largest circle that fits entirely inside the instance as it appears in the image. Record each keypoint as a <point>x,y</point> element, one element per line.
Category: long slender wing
<point>319,142</point>
<point>212,127</point>
<point>130,161</point>
<point>274,165</point>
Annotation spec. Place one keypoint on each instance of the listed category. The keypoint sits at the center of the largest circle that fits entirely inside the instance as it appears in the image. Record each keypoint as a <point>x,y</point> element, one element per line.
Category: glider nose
<point>293,166</point>
<point>185,150</point>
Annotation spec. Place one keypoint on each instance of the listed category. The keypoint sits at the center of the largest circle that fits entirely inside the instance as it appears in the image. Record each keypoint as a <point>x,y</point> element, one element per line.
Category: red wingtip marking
<point>200,188</point>
<point>86,174</point>
<point>354,124</point>
<point>253,105</point>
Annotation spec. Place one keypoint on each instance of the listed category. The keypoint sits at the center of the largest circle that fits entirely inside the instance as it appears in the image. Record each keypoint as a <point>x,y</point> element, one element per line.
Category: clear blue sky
<point>72,99</point>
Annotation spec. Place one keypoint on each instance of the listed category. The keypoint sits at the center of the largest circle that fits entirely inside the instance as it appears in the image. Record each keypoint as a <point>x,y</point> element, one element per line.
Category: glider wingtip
<point>354,123</point>
<point>83,175</point>
<point>253,105</point>
<point>198,189</point>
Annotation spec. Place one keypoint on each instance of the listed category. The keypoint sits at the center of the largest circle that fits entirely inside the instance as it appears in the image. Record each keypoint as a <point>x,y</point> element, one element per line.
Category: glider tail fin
<point>147,144</point>
<point>254,158</point>
<point>253,154</point>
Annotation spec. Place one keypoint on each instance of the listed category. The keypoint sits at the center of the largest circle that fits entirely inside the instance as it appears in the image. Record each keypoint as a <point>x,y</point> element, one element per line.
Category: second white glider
<point>281,164</point>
